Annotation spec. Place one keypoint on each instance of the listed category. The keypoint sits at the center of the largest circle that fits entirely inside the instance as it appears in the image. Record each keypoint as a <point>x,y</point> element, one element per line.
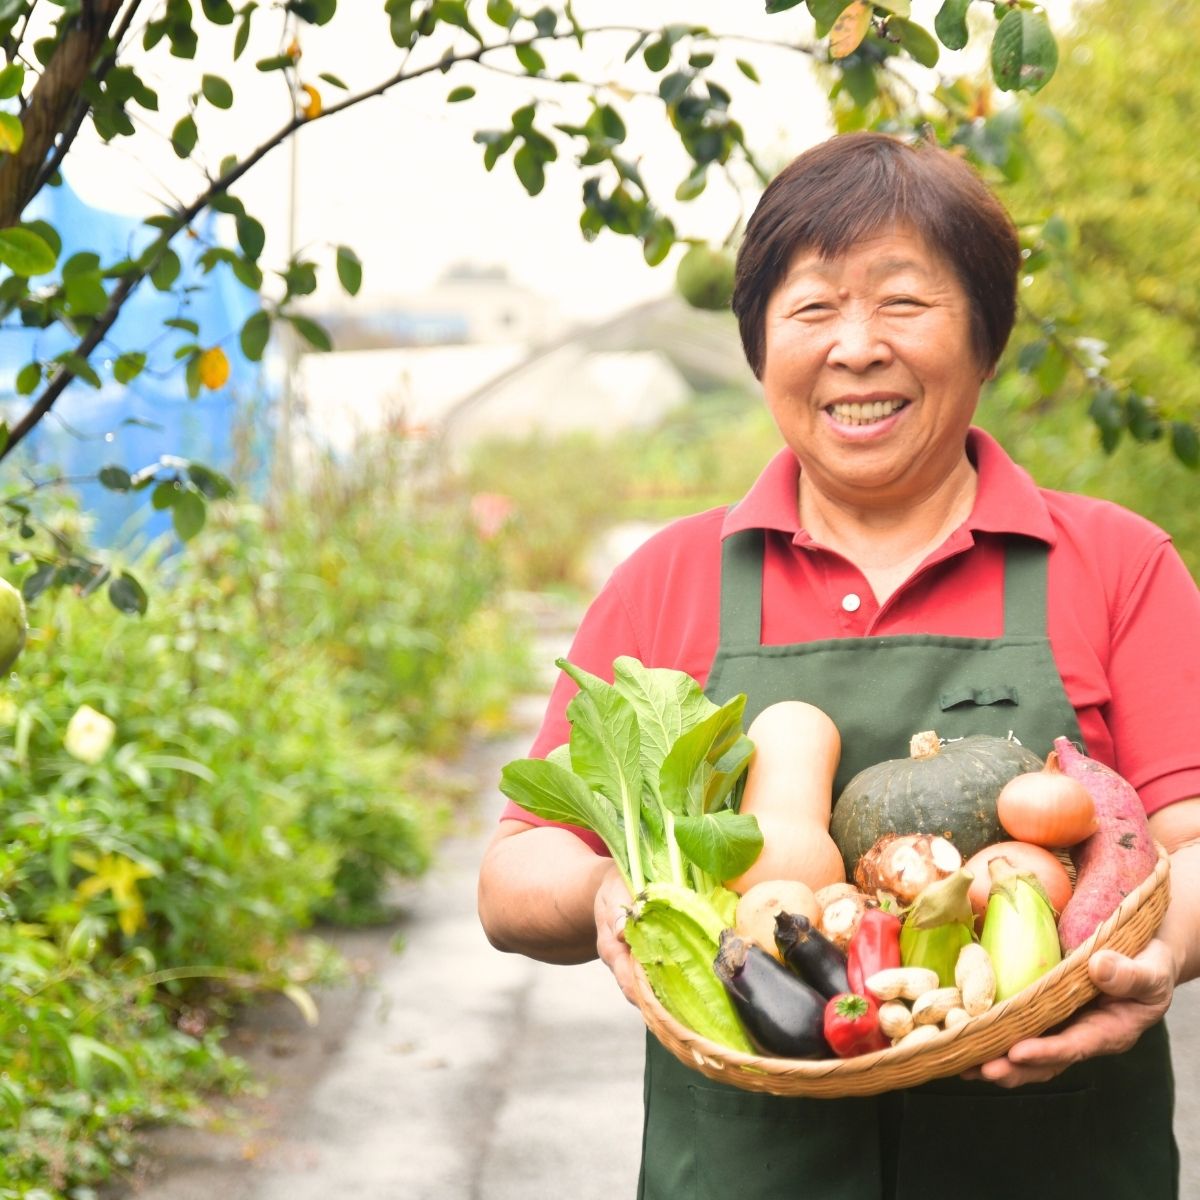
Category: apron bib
<point>1102,1129</point>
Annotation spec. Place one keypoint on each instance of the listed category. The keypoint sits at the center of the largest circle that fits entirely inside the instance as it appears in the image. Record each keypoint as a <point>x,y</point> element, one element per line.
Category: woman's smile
<point>870,371</point>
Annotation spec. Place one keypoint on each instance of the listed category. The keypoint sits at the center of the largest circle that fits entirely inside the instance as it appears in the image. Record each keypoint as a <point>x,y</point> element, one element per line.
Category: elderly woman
<point>894,567</point>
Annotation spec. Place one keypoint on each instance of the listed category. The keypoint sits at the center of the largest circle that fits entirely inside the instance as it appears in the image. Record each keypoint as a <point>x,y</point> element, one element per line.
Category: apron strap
<point>1025,587</point>
<point>741,587</point>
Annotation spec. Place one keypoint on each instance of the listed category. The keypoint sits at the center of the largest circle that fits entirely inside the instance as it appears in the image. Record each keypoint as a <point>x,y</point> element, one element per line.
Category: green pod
<point>1019,930</point>
<point>938,925</point>
<point>675,933</point>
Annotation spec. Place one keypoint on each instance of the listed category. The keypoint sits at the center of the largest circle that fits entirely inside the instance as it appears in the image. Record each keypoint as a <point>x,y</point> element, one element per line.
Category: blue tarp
<point>131,425</point>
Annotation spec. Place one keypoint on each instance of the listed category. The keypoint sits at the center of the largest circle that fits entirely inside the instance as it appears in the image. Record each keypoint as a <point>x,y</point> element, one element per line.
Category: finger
<point>1146,978</point>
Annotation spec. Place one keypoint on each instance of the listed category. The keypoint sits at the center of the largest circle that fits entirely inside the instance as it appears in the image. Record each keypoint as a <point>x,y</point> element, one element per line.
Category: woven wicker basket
<point>1051,999</point>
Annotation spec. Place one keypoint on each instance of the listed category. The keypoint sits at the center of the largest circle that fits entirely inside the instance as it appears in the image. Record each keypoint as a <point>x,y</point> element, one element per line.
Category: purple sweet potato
<point>1115,860</point>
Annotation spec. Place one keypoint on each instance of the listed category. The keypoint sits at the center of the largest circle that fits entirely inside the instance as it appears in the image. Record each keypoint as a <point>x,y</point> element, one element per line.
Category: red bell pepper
<point>874,946</point>
<point>852,1025</point>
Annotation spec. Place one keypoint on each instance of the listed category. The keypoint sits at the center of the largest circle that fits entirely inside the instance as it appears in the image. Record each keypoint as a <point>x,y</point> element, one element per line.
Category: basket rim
<point>732,1063</point>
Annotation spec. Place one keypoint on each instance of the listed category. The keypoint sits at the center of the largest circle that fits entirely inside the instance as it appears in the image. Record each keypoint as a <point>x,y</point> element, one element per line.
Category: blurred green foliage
<point>276,712</point>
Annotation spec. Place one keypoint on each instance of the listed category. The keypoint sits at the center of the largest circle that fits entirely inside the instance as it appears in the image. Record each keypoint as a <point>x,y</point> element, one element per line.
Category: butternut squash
<point>789,788</point>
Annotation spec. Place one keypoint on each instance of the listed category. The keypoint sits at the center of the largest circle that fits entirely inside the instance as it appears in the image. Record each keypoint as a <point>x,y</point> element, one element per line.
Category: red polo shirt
<point>1123,619</point>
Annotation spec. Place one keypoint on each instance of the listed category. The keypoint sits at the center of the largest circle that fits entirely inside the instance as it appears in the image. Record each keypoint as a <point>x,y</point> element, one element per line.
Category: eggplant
<point>782,1015</point>
<point>811,955</point>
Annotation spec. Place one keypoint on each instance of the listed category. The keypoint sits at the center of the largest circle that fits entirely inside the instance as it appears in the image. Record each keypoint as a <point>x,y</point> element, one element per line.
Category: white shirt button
<point>851,602</point>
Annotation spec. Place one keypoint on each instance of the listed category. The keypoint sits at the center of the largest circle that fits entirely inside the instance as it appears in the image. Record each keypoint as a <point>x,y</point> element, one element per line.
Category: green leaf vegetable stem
<point>654,768</point>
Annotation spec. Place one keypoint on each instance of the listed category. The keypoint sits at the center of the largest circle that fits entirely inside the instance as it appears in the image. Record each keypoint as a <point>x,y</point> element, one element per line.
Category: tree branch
<point>75,121</point>
<point>49,105</point>
<point>184,217</point>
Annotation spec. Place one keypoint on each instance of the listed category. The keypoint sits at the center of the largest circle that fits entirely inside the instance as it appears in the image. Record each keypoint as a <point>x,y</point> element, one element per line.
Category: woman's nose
<point>857,342</point>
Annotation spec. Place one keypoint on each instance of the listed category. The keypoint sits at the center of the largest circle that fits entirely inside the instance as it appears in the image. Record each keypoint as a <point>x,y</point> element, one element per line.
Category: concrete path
<point>453,1072</point>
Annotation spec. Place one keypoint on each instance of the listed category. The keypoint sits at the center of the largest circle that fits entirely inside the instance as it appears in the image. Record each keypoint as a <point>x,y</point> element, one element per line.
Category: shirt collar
<point>1007,500</point>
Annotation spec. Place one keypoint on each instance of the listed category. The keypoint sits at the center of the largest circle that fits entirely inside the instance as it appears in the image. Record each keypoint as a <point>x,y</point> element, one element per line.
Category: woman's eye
<point>903,301</point>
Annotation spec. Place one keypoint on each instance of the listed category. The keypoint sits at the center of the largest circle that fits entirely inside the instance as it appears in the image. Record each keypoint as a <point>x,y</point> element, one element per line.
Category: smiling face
<point>869,370</point>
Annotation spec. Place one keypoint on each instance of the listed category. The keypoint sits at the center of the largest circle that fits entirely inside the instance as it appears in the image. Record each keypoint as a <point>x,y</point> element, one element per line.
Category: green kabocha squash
<point>946,788</point>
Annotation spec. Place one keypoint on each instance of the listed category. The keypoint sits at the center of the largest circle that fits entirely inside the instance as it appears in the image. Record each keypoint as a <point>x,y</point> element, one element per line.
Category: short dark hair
<point>857,184</point>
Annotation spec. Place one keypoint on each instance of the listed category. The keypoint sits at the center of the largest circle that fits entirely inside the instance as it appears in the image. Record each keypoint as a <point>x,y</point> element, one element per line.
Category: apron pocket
<point>1001,693</point>
<point>749,1146</point>
<point>1000,1146</point>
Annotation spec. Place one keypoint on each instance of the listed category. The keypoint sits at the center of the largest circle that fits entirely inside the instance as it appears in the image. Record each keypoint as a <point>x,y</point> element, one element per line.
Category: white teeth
<point>865,414</point>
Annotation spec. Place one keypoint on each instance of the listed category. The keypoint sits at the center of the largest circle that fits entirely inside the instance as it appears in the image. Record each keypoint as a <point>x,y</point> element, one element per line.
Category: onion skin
<point>1036,860</point>
<point>1047,808</point>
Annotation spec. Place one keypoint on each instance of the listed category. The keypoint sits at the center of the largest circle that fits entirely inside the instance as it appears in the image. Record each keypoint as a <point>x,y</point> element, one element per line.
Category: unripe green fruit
<point>704,277</point>
<point>12,625</point>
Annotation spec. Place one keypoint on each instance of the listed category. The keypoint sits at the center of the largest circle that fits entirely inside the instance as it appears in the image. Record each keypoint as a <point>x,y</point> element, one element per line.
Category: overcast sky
<point>400,179</point>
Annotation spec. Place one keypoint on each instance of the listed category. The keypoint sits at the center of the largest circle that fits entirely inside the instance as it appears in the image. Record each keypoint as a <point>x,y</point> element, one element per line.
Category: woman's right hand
<point>612,904</point>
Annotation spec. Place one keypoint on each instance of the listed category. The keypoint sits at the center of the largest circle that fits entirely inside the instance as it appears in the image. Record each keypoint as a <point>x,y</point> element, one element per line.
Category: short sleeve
<point>1154,674</point>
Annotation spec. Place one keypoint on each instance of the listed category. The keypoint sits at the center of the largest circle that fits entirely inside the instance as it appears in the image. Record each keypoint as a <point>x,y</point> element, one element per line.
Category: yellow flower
<point>214,368</point>
<point>118,875</point>
<point>293,51</point>
<point>314,106</point>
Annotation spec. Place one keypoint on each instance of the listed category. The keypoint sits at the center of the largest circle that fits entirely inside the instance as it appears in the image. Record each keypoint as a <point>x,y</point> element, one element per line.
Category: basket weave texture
<point>1046,1002</point>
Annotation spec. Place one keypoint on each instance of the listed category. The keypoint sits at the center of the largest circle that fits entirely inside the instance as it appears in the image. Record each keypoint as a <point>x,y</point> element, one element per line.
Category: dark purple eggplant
<point>810,954</point>
<point>781,1014</point>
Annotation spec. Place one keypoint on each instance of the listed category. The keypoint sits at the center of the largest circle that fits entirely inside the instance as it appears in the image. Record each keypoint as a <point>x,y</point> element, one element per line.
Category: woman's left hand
<point>1135,993</point>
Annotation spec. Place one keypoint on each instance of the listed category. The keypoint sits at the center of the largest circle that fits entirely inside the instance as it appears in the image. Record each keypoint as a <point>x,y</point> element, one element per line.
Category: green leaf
<point>184,136</point>
<point>899,8</point>
<point>310,331</point>
<point>334,80</point>
<point>115,478</point>
<point>129,366</point>
<point>459,94</point>
<point>251,236</point>
<point>188,513</point>
<point>165,493</point>
<point>502,13</point>
<point>127,595</point>
<point>687,768</point>
<point>919,43</point>
<point>349,270</point>
<point>1024,53</point>
<point>747,69</point>
<point>28,378</point>
<point>950,24</point>
<point>219,12</point>
<point>529,168</point>
<point>778,6</point>
<point>722,844</point>
<point>657,54</point>
<point>81,369</point>
<point>666,702</point>
<point>1051,371</point>
<point>211,484</point>
<point>217,91</point>
<point>315,12</point>
<point>530,59</point>
<point>825,12</point>
<point>242,37</point>
<point>183,323</point>
<point>276,62</point>
<point>1185,443</point>
<point>12,133</point>
<point>552,792</point>
<point>166,270</point>
<point>25,253</point>
<point>12,79</point>
<point>255,334</point>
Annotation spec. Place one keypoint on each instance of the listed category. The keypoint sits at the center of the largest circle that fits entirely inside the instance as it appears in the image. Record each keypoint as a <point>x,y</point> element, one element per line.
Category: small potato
<point>902,983</point>
<point>895,1020</point>
<point>754,920</point>
<point>931,1008</point>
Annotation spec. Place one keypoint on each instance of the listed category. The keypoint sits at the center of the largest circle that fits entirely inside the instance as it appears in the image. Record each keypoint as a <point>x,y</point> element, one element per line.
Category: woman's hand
<point>612,902</point>
<point>1135,994</point>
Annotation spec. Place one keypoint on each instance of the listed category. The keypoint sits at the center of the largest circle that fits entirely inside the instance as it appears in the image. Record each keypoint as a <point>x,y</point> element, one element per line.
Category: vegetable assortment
<point>743,919</point>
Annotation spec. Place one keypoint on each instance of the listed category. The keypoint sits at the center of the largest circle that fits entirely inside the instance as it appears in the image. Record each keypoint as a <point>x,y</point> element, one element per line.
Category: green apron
<point>1100,1130</point>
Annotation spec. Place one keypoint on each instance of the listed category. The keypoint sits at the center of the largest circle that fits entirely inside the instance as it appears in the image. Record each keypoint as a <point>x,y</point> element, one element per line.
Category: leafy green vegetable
<point>654,768</point>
